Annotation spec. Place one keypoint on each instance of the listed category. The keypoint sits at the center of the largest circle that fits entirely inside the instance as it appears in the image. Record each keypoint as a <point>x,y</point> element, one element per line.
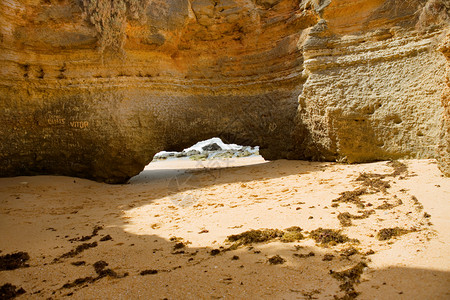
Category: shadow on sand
<point>49,216</point>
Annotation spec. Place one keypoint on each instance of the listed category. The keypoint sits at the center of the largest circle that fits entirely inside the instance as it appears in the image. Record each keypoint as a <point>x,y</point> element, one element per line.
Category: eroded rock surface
<point>95,88</point>
<point>375,81</point>
<point>444,145</point>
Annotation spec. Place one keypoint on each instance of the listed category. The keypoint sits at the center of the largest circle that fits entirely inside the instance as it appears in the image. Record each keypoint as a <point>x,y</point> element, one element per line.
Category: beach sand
<point>163,235</point>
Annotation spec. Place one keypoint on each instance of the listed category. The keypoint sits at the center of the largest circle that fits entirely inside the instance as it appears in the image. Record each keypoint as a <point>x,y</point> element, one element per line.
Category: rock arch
<point>301,79</point>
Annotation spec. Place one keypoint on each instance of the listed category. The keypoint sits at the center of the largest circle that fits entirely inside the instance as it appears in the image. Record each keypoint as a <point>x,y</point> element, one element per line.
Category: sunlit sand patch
<point>147,230</point>
<point>204,216</point>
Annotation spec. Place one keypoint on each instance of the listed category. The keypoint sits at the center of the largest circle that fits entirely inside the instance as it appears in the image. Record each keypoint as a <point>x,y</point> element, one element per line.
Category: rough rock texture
<point>95,88</point>
<point>444,146</point>
<point>72,104</point>
<point>375,81</point>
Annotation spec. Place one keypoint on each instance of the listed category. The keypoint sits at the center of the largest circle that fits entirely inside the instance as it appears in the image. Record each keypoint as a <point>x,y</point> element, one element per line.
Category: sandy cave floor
<point>164,234</point>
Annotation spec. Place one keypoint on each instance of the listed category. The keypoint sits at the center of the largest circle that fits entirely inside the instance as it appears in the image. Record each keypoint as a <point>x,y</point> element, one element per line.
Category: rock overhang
<point>192,70</point>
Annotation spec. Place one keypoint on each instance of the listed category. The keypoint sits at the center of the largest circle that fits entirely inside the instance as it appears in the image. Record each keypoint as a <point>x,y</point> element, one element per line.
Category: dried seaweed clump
<point>387,233</point>
<point>328,236</point>
<point>305,255</point>
<point>276,260</point>
<point>349,278</point>
<point>109,18</point>
<point>77,250</point>
<point>14,261</point>
<point>99,268</point>
<point>255,236</point>
<point>399,168</point>
<point>148,272</point>
<point>417,203</point>
<point>9,291</point>
<point>84,238</point>
<point>374,181</point>
<point>347,252</point>
<point>352,197</point>
<point>346,218</point>
<point>292,234</point>
<point>385,205</point>
<point>78,282</point>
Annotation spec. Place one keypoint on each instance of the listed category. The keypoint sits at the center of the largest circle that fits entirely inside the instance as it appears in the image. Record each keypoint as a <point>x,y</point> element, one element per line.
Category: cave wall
<point>73,103</point>
<point>375,82</point>
<point>443,154</point>
<point>95,88</point>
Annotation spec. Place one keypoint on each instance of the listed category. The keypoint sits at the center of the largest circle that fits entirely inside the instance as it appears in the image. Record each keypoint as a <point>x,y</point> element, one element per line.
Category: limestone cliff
<point>375,81</point>
<point>95,88</point>
<point>443,154</point>
<point>72,103</point>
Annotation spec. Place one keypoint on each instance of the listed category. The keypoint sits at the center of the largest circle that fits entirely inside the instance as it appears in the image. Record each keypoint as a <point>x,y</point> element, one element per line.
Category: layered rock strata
<point>95,88</point>
<point>375,82</point>
<point>73,104</point>
<point>443,154</point>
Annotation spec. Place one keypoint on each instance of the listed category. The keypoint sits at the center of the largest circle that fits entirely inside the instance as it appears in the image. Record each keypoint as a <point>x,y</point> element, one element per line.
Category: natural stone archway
<point>93,94</point>
<point>193,70</point>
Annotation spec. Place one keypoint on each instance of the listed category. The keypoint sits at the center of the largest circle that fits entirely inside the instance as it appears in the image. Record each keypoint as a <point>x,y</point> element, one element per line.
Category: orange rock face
<point>95,88</point>
<point>444,145</point>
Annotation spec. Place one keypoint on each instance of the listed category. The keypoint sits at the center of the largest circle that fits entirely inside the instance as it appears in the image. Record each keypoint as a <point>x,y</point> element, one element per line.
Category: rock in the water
<point>211,147</point>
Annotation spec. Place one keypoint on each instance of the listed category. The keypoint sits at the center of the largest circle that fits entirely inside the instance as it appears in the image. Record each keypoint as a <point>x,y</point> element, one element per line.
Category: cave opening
<point>206,159</point>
